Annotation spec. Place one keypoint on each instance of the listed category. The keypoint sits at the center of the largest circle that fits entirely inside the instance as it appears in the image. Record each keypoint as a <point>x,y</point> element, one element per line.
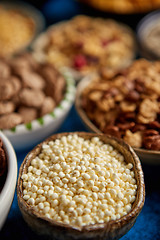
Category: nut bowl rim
<point>38,124</point>
<point>40,43</point>
<point>146,156</point>
<point>113,225</point>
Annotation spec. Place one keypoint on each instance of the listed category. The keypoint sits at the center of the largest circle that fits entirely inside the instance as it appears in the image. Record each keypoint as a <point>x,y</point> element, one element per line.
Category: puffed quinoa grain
<point>86,195</point>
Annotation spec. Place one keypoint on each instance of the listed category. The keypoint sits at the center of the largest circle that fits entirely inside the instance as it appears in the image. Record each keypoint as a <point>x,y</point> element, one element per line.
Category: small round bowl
<point>24,136</point>
<point>148,35</point>
<point>107,231</point>
<point>30,11</point>
<point>7,193</point>
<point>146,156</point>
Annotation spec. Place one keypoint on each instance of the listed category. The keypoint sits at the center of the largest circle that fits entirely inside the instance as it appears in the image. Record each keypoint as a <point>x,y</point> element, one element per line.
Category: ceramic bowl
<point>30,11</point>
<point>7,193</point>
<point>146,156</point>
<point>148,35</point>
<point>107,231</point>
<point>24,136</point>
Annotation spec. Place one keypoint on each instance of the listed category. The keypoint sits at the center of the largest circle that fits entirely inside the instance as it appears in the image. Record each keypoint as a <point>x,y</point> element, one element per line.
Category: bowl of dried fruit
<point>35,98</point>
<point>81,186</point>
<point>90,43</point>
<point>125,104</point>
<point>8,176</point>
<point>26,23</point>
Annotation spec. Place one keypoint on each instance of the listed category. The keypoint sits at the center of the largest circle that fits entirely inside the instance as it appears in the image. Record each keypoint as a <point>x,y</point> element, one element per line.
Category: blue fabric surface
<point>147,225</point>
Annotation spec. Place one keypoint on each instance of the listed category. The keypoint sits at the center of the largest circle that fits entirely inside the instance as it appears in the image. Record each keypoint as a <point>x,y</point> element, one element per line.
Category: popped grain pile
<point>17,30</point>
<point>79,182</point>
<point>3,165</point>
<point>127,104</point>
<point>28,90</point>
<point>85,43</point>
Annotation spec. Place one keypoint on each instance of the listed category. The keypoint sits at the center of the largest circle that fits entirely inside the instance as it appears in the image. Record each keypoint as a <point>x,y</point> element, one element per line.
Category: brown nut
<point>154,124</point>
<point>132,96</point>
<point>150,132</point>
<point>28,113</point>
<point>133,139</point>
<point>152,142</point>
<point>59,89</point>
<point>6,107</point>
<point>31,79</point>
<point>47,106</point>
<point>4,70</point>
<point>127,106</point>
<point>32,98</point>
<point>10,120</point>
<point>6,89</point>
<point>125,126</point>
<point>16,84</point>
<point>113,131</point>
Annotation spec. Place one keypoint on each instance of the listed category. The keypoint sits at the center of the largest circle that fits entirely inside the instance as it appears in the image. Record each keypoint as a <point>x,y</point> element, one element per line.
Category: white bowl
<point>7,193</point>
<point>24,136</point>
<point>144,28</point>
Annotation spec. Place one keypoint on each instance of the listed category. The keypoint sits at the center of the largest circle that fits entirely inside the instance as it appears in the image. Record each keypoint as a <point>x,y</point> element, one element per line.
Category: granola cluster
<point>86,43</point>
<point>17,30</point>
<point>28,90</point>
<point>3,165</point>
<point>126,104</point>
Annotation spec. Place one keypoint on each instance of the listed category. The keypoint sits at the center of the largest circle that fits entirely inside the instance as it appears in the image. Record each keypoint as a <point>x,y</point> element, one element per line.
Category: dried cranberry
<point>79,61</point>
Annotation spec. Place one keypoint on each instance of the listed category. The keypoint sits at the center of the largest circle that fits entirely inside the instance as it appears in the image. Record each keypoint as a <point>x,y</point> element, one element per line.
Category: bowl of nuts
<point>85,44</point>
<point>35,98</point>
<point>126,105</point>
<point>8,176</point>
<point>81,186</point>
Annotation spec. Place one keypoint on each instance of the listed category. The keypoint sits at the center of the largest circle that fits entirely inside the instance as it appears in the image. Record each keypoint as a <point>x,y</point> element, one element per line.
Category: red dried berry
<point>79,61</point>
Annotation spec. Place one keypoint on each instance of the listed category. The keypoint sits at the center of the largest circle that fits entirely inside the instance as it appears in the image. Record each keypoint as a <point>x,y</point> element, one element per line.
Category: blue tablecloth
<point>147,225</point>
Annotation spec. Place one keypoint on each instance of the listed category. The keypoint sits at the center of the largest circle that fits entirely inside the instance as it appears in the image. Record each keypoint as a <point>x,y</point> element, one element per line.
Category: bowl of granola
<point>19,23</point>
<point>35,98</point>
<point>125,104</point>
<point>80,185</point>
<point>8,176</point>
<point>85,44</point>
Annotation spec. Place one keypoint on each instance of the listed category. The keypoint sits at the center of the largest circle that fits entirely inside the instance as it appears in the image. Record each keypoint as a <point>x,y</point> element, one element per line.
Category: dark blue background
<point>147,225</point>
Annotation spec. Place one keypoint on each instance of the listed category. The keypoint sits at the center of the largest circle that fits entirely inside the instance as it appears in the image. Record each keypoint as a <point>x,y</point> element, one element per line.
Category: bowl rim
<point>142,29</point>
<point>142,25</point>
<point>80,87</point>
<point>57,112</point>
<point>11,168</point>
<point>92,227</point>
